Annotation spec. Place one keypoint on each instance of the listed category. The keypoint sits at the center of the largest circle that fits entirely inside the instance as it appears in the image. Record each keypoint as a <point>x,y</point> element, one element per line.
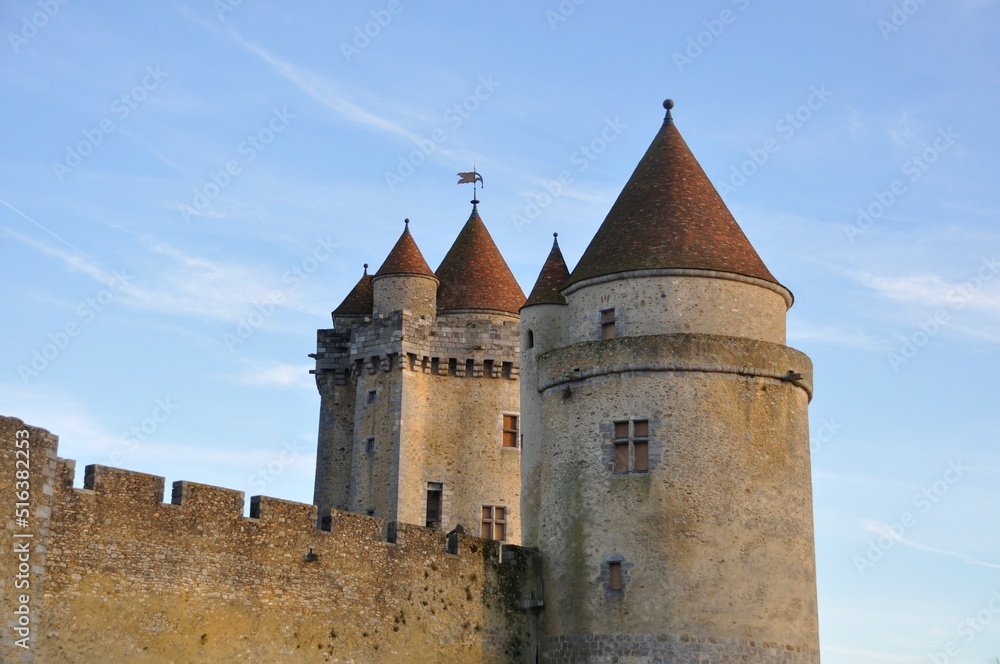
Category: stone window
<point>506,369</point>
<point>510,430</point>
<point>434,491</point>
<point>487,368</point>
<point>435,365</point>
<point>529,341</point>
<point>452,366</point>
<point>608,329</point>
<point>614,576</point>
<point>370,446</point>
<point>631,440</point>
<point>372,396</point>
<point>470,366</point>
<point>494,524</point>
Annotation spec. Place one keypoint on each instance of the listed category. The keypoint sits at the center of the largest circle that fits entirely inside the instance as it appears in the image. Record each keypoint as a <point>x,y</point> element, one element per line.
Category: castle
<point>613,469</point>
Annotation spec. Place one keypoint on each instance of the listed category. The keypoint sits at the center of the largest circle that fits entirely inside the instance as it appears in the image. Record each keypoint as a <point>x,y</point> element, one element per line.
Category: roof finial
<point>555,239</point>
<point>366,268</point>
<point>407,224</point>
<point>668,104</point>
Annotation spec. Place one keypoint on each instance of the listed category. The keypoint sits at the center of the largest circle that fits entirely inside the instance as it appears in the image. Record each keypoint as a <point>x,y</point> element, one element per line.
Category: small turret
<point>357,304</point>
<point>474,276</point>
<point>405,282</point>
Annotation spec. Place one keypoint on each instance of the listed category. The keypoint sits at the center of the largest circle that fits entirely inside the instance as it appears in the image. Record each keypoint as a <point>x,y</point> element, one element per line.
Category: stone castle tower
<point>665,466</point>
<point>418,381</point>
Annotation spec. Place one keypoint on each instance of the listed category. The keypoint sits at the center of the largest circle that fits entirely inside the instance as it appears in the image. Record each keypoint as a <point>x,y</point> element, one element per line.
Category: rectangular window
<point>452,367</point>
<point>435,365</point>
<point>487,368</point>
<point>494,523</point>
<point>506,369</point>
<point>614,576</point>
<point>372,396</point>
<point>510,430</point>
<point>434,491</point>
<point>370,446</point>
<point>470,366</point>
<point>631,442</point>
<point>608,324</point>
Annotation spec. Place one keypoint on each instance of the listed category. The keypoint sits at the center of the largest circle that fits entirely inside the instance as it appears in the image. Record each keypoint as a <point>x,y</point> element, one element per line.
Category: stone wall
<point>129,578</point>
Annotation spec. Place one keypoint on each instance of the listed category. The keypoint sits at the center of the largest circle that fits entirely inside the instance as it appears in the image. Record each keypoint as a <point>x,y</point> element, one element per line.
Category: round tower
<point>668,429</point>
<point>405,282</point>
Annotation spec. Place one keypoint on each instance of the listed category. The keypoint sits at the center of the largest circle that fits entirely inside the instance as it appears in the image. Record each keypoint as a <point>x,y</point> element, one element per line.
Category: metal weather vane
<point>473,177</point>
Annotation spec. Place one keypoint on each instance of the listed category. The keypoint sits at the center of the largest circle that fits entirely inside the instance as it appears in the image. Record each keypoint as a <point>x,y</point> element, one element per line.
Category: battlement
<point>452,345</point>
<point>264,587</point>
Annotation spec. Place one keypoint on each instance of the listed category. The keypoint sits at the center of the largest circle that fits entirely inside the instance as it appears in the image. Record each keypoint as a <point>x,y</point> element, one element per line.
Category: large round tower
<point>666,444</point>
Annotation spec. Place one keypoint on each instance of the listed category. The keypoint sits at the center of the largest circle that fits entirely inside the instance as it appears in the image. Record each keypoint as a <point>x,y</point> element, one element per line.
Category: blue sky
<point>188,189</point>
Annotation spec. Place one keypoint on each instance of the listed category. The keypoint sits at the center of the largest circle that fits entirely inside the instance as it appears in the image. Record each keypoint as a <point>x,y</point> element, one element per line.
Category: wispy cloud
<point>324,90</point>
<point>881,529</point>
<point>275,374</point>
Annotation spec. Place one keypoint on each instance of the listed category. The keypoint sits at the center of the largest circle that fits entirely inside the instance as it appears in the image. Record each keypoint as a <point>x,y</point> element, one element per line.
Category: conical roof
<point>474,275</point>
<point>551,279</point>
<point>669,215</point>
<point>405,257</point>
<point>359,301</point>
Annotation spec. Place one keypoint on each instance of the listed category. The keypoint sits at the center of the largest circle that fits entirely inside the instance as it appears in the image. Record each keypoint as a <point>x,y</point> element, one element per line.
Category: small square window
<point>631,442</point>
<point>370,446</point>
<point>372,396</point>
<point>494,523</point>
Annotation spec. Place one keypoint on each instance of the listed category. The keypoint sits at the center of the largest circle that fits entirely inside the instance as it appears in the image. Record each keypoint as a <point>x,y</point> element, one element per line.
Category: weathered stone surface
<point>129,578</point>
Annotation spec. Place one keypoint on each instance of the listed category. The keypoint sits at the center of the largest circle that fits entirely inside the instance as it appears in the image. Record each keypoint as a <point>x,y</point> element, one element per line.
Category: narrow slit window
<point>370,446</point>
<point>529,341</point>
<point>614,575</point>
<point>608,329</point>
<point>434,491</point>
<point>510,430</point>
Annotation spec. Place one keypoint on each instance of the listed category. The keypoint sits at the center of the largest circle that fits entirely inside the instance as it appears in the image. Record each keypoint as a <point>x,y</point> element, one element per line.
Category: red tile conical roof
<point>405,257</point>
<point>474,275</point>
<point>669,215</point>
<point>359,301</point>
<point>551,279</point>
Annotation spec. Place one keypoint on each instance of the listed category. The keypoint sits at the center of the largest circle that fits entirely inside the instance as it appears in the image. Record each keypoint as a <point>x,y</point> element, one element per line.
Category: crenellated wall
<point>129,578</point>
